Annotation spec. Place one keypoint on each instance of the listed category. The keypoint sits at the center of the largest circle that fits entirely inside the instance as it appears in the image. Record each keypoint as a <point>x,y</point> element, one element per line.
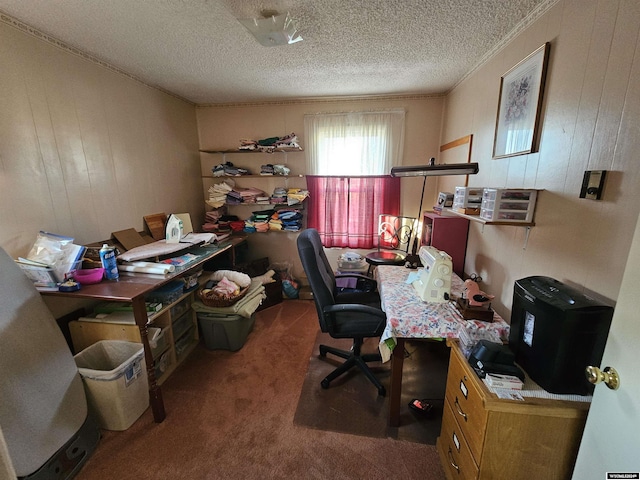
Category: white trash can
<point>114,374</point>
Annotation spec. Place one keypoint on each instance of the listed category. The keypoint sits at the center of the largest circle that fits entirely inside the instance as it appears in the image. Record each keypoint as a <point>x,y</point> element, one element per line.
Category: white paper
<point>158,269</point>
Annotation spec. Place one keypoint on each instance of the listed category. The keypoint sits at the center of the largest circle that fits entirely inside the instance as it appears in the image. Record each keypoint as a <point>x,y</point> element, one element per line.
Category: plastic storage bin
<point>115,380</point>
<point>182,324</point>
<point>168,293</point>
<point>467,197</point>
<point>224,332</point>
<point>514,205</point>
<point>157,340</point>
<point>185,341</point>
<point>162,364</point>
<point>181,307</point>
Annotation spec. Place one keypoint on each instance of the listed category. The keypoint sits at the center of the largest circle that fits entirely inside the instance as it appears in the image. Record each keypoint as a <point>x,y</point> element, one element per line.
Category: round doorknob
<point>609,376</point>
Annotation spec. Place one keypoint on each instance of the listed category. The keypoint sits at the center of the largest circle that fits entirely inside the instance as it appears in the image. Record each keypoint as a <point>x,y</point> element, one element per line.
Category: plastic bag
<point>49,248</point>
<point>290,286</point>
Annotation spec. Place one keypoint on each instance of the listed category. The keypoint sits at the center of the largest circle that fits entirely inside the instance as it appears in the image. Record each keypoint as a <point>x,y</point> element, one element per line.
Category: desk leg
<point>155,394</point>
<point>397,360</point>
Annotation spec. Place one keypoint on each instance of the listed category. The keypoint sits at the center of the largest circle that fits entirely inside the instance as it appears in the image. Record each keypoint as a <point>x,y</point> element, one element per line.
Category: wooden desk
<point>132,287</point>
<point>410,317</point>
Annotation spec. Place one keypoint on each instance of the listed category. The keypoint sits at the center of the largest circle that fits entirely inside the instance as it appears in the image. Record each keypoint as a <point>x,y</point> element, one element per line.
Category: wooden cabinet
<point>487,438</point>
<point>447,233</point>
<point>176,338</point>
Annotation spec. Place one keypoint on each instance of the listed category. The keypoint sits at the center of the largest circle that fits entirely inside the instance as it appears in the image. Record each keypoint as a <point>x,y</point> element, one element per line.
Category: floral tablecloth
<point>410,317</point>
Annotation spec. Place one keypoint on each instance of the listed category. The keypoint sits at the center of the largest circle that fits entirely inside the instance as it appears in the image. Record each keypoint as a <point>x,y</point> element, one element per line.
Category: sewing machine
<point>434,282</point>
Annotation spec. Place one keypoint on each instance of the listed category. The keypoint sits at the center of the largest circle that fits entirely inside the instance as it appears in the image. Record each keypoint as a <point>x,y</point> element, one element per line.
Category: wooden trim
<point>456,143</point>
<point>466,140</point>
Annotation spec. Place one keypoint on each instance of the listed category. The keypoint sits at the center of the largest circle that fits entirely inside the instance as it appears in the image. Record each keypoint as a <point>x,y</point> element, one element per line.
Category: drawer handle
<point>460,411</point>
<point>450,453</point>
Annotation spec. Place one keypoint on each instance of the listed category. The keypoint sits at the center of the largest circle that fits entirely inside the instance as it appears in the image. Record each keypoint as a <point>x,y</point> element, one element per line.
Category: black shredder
<point>556,332</point>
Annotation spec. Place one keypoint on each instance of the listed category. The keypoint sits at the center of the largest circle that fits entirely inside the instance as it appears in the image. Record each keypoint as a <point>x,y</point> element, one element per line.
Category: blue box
<point>168,293</point>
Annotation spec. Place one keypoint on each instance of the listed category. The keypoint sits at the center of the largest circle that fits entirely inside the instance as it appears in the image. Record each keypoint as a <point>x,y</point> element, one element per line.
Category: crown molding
<point>320,100</point>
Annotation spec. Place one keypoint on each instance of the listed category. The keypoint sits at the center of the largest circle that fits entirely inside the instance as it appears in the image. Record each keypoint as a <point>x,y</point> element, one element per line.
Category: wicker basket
<point>212,299</point>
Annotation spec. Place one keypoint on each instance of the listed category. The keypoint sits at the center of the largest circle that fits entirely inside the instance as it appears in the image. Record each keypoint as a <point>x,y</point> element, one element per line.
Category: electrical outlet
<point>592,184</point>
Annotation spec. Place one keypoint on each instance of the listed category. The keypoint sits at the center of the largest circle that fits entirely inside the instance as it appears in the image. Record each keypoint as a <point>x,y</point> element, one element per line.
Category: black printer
<point>556,332</point>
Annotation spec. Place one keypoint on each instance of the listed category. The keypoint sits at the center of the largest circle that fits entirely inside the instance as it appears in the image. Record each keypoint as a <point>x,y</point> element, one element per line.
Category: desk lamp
<point>428,171</point>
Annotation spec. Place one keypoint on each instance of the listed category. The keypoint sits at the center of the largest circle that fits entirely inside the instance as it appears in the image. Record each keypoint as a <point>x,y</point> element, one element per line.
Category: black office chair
<point>394,236</point>
<point>342,314</point>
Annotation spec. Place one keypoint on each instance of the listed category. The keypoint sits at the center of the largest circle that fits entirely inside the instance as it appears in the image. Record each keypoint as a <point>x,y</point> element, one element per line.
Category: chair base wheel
<point>324,383</point>
<point>382,391</point>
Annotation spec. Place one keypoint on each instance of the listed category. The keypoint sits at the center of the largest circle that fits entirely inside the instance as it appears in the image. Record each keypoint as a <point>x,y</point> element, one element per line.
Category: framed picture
<point>520,104</point>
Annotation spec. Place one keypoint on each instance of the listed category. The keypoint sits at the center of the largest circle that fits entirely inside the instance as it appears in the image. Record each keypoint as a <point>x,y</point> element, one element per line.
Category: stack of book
<point>495,380</point>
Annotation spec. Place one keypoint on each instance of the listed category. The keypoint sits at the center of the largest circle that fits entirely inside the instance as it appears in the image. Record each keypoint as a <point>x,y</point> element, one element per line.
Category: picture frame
<point>520,104</point>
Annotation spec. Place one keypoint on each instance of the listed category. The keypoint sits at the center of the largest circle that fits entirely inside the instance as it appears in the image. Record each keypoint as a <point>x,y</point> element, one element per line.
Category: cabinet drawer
<point>455,452</point>
<point>463,395</point>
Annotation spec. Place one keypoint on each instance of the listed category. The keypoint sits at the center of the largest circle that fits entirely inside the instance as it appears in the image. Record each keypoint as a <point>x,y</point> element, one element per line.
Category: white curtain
<point>354,144</point>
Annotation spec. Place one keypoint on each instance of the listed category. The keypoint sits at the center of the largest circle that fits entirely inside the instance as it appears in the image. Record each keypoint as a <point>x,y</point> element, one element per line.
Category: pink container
<point>89,276</point>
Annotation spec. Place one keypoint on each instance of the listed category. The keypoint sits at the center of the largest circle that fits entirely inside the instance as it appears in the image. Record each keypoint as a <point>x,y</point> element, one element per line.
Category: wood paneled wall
<point>85,151</point>
<point>590,121</point>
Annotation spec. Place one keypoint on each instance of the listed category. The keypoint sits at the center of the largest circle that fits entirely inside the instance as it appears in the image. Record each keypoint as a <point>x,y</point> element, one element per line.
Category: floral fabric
<point>409,317</point>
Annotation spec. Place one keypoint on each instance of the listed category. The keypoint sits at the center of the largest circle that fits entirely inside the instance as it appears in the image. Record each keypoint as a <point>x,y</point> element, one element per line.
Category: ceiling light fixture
<point>273,30</point>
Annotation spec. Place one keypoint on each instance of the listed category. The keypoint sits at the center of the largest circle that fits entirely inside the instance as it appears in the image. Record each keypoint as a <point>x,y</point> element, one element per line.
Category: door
<point>611,440</point>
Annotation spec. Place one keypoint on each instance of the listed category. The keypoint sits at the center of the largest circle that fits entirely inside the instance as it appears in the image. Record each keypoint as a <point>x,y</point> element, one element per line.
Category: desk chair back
<point>319,272</point>
<point>354,315</point>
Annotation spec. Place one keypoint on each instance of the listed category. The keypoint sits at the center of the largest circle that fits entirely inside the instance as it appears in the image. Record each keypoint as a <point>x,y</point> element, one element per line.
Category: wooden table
<point>132,288</point>
<point>409,317</point>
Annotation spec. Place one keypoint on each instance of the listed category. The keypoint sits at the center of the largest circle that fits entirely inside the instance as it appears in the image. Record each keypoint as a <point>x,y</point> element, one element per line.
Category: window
<point>353,144</point>
<point>349,157</point>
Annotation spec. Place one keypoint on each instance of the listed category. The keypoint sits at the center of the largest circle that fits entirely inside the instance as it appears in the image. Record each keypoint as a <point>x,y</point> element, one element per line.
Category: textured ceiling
<point>197,50</point>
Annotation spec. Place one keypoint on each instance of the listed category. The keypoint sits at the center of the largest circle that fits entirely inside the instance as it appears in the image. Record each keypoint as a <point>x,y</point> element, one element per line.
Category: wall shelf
<point>268,206</point>
<point>254,176</point>
<point>282,150</point>
<point>477,219</point>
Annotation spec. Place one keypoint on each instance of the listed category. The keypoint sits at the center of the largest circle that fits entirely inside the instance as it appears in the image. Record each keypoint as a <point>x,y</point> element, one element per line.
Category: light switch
<point>592,184</point>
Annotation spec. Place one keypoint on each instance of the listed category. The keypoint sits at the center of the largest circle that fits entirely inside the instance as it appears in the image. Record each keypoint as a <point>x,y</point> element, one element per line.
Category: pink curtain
<point>345,210</point>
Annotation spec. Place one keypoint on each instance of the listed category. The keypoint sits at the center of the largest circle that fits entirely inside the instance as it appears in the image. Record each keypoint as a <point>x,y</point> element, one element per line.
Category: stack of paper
<point>495,380</point>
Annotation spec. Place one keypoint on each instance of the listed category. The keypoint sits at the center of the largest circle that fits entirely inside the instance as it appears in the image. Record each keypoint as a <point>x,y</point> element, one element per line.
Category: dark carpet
<point>230,416</point>
<point>352,405</point>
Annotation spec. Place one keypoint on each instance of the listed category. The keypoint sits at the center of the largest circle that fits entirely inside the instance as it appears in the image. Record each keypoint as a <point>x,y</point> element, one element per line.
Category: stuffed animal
<point>475,296</point>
